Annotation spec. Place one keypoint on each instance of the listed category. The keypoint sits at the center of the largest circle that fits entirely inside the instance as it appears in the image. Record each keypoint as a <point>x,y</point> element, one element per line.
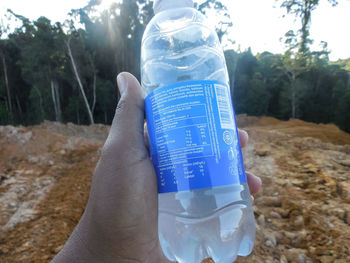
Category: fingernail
<point>245,134</point>
<point>257,178</point>
<point>121,83</point>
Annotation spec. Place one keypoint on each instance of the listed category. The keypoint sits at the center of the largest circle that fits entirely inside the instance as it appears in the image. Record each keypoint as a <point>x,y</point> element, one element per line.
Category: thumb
<point>126,133</point>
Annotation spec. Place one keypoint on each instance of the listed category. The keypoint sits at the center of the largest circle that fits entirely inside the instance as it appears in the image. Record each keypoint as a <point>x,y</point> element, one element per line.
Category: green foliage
<point>221,11</point>
<point>5,117</point>
<point>74,112</point>
<point>301,9</point>
<point>36,112</point>
<point>342,117</point>
<point>262,86</point>
<point>106,90</point>
<point>258,96</point>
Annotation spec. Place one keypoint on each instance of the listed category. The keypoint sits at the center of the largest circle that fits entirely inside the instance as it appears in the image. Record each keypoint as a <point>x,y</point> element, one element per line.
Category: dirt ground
<point>302,213</point>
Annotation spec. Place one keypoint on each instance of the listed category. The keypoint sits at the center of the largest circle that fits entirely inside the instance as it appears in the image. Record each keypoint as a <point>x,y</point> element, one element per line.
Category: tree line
<point>66,71</point>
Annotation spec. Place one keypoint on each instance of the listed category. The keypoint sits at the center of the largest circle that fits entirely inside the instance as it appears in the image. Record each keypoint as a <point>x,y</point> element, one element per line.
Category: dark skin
<point>120,222</point>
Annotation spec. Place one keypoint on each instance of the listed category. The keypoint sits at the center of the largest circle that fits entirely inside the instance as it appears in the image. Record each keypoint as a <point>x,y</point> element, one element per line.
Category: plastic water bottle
<point>204,201</point>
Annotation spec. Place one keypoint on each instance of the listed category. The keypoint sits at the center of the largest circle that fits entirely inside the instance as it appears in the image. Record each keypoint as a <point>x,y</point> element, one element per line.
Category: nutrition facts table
<point>194,130</point>
<point>190,126</point>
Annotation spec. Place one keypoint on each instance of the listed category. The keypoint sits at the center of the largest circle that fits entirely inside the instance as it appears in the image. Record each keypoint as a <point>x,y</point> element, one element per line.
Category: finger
<point>126,133</point>
<point>145,132</point>
<point>252,198</point>
<point>243,137</point>
<point>254,183</point>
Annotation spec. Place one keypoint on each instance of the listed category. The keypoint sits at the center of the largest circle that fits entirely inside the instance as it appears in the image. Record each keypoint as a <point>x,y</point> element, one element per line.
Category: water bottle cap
<point>161,5</point>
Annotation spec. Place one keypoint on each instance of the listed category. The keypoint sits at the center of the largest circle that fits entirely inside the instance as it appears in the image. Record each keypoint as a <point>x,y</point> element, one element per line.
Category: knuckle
<point>122,104</point>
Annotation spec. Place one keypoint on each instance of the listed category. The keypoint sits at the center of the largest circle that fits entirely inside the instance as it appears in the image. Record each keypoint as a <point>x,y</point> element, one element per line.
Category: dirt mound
<point>298,128</point>
<point>96,132</point>
<point>44,184</point>
<point>302,212</point>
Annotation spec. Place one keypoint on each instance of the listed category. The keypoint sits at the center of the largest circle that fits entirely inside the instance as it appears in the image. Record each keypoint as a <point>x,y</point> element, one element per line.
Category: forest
<point>66,72</point>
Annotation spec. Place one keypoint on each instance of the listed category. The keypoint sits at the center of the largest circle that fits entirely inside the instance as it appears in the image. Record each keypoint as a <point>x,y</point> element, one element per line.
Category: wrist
<point>75,250</point>
<point>84,246</point>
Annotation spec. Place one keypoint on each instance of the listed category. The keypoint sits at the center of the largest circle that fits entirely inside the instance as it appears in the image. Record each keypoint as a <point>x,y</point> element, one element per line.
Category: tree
<point>76,73</point>
<point>4,66</point>
<point>292,70</point>
<point>245,69</point>
<point>258,96</point>
<point>231,58</point>
<point>342,116</point>
<point>294,64</point>
<point>3,30</point>
<point>221,11</point>
<point>40,44</point>
<point>303,9</point>
<point>273,80</point>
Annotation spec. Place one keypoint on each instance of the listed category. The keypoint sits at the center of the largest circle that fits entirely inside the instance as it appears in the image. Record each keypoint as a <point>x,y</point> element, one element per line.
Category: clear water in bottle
<point>204,201</point>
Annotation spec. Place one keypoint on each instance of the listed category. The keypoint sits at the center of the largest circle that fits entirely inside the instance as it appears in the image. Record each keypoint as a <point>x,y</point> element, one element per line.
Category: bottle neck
<point>161,5</point>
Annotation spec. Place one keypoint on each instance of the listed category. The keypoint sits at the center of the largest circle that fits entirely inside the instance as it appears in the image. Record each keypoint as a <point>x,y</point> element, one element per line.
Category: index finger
<point>243,137</point>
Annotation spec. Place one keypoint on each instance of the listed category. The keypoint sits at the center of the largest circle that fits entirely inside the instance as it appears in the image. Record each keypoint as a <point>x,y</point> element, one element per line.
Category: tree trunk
<point>94,93</point>
<point>79,82</point>
<point>6,82</point>
<point>58,101</point>
<point>305,22</point>
<point>40,102</point>
<point>54,99</point>
<point>93,85</point>
<point>19,109</point>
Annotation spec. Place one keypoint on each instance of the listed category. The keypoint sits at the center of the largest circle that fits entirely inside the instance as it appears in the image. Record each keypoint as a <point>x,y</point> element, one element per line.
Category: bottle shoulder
<point>178,31</point>
<point>180,45</point>
<point>173,20</point>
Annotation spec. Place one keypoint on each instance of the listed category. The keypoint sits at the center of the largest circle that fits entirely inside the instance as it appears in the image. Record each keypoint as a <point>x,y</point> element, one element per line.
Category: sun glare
<point>105,4</point>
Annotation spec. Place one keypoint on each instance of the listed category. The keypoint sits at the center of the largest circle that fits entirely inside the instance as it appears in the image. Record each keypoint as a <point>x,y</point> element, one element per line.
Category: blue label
<point>193,136</point>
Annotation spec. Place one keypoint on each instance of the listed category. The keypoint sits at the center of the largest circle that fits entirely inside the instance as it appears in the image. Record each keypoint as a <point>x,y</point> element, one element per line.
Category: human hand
<point>120,222</point>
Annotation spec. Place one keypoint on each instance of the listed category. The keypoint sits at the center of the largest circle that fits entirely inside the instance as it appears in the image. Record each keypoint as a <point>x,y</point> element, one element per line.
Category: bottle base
<point>223,234</point>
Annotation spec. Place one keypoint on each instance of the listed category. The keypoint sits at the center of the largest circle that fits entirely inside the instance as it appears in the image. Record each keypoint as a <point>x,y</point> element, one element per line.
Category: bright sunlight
<point>106,4</point>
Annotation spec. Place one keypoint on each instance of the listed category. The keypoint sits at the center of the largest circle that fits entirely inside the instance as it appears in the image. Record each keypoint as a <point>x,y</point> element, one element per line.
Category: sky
<point>258,24</point>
